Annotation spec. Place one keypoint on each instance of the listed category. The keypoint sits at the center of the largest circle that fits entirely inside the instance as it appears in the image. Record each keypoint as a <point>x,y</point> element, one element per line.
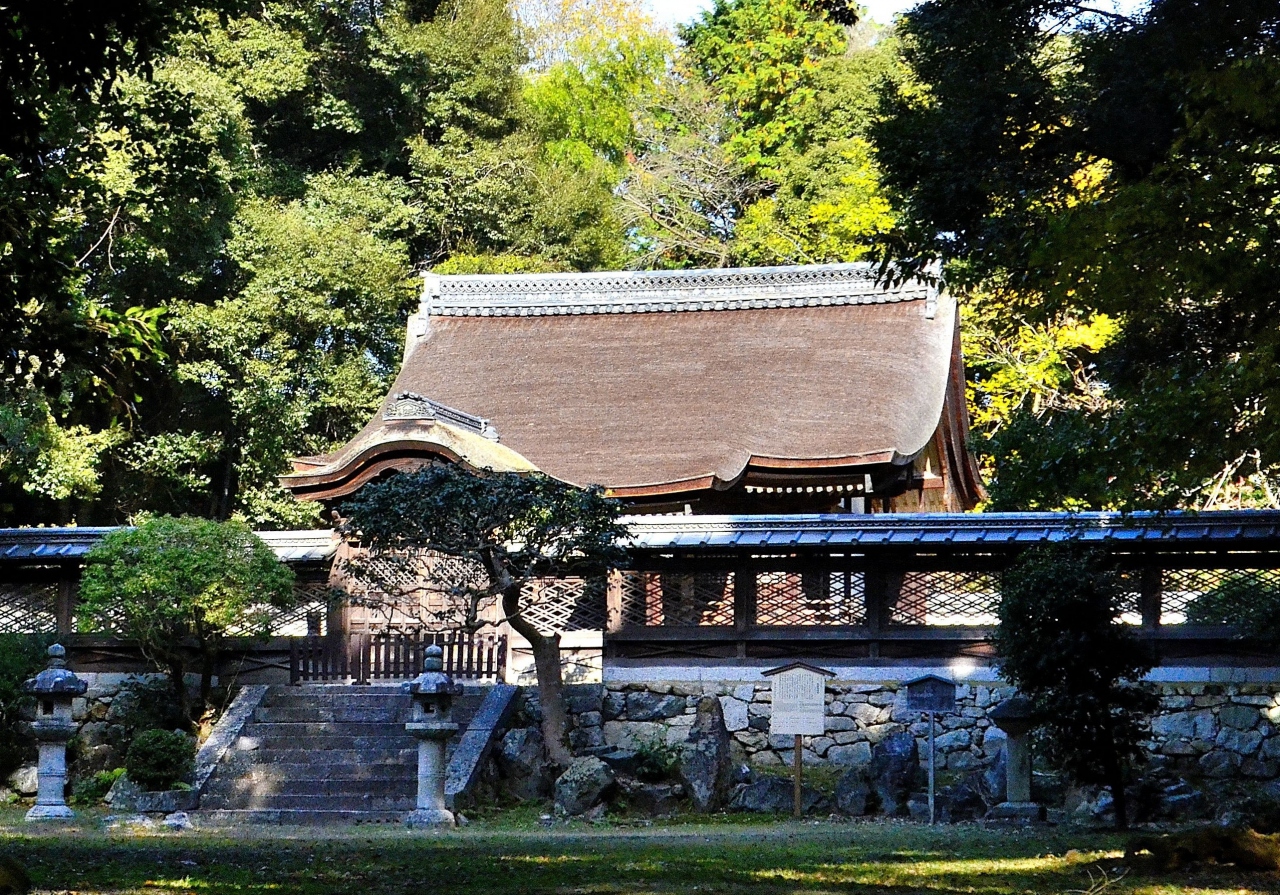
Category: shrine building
<point>766,390</point>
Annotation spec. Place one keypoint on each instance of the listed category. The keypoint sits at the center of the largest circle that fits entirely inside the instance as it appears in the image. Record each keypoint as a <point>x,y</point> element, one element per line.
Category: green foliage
<point>21,657</point>
<point>158,759</point>
<point>656,759</point>
<point>1249,600</point>
<point>507,526</point>
<point>177,585</point>
<point>92,790</point>
<point>1061,643</point>
<point>143,704</point>
<point>1097,165</point>
<point>761,57</point>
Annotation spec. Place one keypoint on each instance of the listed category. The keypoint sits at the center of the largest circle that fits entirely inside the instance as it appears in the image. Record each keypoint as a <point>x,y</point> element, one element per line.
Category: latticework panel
<point>651,599</point>
<point>565,604</point>
<point>28,608</point>
<point>414,590</point>
<point>308,616</point>
<point>810,598</point>
<point>946,598</point>
<point>1214,596</point>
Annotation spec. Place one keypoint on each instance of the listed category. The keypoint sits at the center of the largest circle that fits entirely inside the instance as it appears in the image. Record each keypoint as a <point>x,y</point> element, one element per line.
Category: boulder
<point>622,761</point>
<point>523,765</point>
<point>581,699</point>
<point>853,792</point>
<point>959,802</point>
<point>583,785</point>
<point>178,820</point>
<point>644,705</point>
<point>706,762</point>
<point>894,766</point>
<point>775,795</point>
<point>651,798</point>
<point>24,780</point>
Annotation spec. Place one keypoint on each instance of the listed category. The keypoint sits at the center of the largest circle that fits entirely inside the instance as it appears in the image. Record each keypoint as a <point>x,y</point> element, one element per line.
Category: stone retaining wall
<point>1212,730</point>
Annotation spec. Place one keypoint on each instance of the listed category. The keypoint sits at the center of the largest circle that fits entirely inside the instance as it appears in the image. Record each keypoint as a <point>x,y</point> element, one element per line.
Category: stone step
<point>348,757</point>
<point>303,732</point>
<point>295,817</point>
<point>374,744</point>
<point>251,789</point>
<point>323,802</point>
<point>375,712</point>
<point>366,773</point>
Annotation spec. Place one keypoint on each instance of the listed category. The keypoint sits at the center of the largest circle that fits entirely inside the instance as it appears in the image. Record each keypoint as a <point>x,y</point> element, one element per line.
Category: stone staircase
<point>318,754</point>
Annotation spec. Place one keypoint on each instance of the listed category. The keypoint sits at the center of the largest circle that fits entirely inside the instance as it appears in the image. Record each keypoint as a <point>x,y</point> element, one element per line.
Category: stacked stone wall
<point>1216,731</point>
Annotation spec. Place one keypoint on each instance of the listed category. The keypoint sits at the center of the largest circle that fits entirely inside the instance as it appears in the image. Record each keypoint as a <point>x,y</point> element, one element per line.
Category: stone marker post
<point>1015,717</point>
<point>432,723</point>
<point>54,689</point>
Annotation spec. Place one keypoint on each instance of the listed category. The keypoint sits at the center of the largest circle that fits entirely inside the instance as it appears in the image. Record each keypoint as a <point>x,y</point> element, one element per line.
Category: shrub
<point>158,759</point>
<point>656,759</point>
<point>92,790</point>
<point>143,705</point>
<point>21,657</point>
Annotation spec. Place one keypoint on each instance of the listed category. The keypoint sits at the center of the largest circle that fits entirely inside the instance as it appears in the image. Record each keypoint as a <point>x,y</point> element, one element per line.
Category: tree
<point>1094,163</point>
<point>177,586</point>
<point>507,530</point>
<point>1061,643</point>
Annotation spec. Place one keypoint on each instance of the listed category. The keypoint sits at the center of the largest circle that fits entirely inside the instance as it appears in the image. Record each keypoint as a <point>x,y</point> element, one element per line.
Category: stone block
<point>846,737</point>
<point>1219,763</point>
<point>952,740</point>
<point>583,784</point>
<point>589,719</point>
<point>613,705</point>
<point>1194,725</point>
<point>820,745</point>
<point>867,713</point>
<point>1254,767</point>
<point>1240,717</point>
<point>1243,742</point>
<point>631,734</point>
<point>850,755</point>
<point>649,706</point>
<point>736,714</point>
<point>745,692</point>
<point>581,698</point>
<point>836,707</point>
<point>838,723</point>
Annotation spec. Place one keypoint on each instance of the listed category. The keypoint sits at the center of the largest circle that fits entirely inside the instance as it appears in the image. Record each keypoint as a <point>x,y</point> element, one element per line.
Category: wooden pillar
<point>65,611</point>
<point>744,604</point>
<point>338,620</point>
<point>613,602</point>
<point>1149,597</point>
<point>880,592</point>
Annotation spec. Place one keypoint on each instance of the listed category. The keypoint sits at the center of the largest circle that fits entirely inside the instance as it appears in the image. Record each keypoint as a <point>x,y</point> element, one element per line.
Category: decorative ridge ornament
<point>413,406</point>
<point>653,291</point>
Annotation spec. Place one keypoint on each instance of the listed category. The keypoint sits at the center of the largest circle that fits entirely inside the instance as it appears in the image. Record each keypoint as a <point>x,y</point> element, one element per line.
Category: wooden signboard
<point>799,709</point>
<point>799,702</point>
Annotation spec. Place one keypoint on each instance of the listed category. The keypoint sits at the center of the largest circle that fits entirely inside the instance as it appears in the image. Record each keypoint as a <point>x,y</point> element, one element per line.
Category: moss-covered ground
<point>514,853</point>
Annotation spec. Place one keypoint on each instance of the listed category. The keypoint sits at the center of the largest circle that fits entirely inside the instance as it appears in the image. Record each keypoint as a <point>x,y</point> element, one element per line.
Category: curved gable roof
<point>669,381</point>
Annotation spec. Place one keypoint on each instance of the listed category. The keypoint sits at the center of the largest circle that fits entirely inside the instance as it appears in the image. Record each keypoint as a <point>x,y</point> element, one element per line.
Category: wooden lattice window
<point>946,599</point>
<point>28,608</point>
<point>810,598</point>
<point>564,604</point>
<point>651,599</point>
<point>1224,594</point>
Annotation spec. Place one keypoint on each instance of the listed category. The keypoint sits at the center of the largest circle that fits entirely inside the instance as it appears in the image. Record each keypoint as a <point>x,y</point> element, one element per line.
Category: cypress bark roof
<point>662,382</point>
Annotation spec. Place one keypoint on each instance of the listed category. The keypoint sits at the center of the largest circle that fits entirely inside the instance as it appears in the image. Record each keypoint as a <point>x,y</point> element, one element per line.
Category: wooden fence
<point>366,657</point>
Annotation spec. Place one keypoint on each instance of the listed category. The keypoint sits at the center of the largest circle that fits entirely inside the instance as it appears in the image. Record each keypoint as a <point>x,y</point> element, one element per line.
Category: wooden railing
<point>366,657</point>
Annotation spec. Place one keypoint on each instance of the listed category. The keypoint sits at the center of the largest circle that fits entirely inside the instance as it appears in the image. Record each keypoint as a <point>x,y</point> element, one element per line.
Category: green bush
<point>21,657</point>
<point>143,705</point>
<point>92,790</point>
<point>656,759</point>
<point>158,759</point>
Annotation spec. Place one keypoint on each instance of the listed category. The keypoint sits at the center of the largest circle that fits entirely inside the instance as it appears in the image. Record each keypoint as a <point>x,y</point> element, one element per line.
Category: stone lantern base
<point>430,817</point>
<point>50,812</point>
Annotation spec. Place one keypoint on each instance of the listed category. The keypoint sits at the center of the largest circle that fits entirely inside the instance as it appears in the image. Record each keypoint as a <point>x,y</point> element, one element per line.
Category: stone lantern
<point>1016,717</point>
<point>54,689</point>
<point>432,723</point>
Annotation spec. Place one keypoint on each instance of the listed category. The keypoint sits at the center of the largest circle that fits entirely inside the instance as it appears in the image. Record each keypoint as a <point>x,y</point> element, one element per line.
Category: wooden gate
<point>364,657</point>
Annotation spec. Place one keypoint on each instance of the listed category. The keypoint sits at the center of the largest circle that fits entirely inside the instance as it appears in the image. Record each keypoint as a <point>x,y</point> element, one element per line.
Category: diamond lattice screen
<point>671,598</point>
<point>810,598</point>
<point>308,615</point>
<point>565,604</point>
<point>392,592</point>
<point>28,608</point>
<point>1213,596</point>
<point>946,598</point>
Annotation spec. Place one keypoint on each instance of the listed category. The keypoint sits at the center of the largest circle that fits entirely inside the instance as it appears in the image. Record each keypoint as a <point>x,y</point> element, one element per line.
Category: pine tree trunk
<point>546,663</point>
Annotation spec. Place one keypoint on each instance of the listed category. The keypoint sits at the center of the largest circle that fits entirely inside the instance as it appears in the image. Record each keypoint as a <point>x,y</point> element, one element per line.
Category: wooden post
<point>933,766</point>
<point>1149,598</point>
<point>66,608</point>
<point>613,602</point>
<point>744,605</point>
<point>799,773</point>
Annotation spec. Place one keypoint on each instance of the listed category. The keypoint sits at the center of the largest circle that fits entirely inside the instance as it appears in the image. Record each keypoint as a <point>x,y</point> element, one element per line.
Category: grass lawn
<point>514,854</point>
